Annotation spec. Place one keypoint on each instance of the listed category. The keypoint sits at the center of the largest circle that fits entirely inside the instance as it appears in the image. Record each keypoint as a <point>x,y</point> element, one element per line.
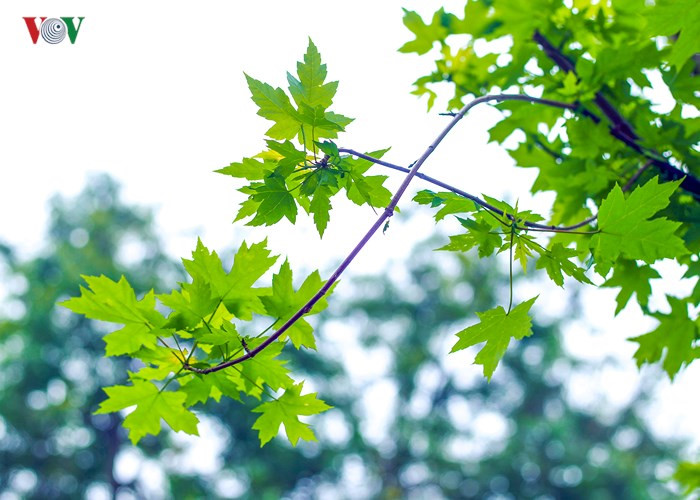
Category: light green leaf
<point>688,474</point>
<point>235,288</point>
<point>275,202</point>
<point>674,336</point>
<point>556,261</point>
<point>633,279</point>
<point>309,89</point>
<point>496,328</point>
<point>479,234</point>
<point>151,406</point>
<point>321,206</point>
<point>286,410</point>
<point>116,302</point>
<point>274,105</point>
<point>284,302</point>
<point>626,229</point>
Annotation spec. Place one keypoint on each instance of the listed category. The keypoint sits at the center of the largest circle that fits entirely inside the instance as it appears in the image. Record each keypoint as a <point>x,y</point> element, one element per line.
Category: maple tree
<point>570,84</point>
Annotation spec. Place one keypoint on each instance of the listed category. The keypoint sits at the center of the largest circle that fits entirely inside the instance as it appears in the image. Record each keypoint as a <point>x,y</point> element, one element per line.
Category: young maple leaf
<point>496,328</point>
<point>675,335</point>
<point>625,228</point>
<point>285,302</point>
<point>115,301</point>
<point>309,89</point>
<point>234,288</point>
<point>633,279</point>
<point>151,406</point>
<point>286,410</point>
<point>274,105</point>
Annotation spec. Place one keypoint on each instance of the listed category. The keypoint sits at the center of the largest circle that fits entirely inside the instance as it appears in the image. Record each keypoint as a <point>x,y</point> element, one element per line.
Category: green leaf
<point>200,388</point>
<point>556,261</point>
<point>321,206</point>
<point>290,156</point>
<point>235,288</point>
<point>113,301</point>
<point>275,202</point>
<point>479,234</point>
<point>496,328</point>
<point>316,118</point>
<point>454,204</point>
<point>129,339</point>
<point>249,168</point>
<point>116,302</point>
<point>309,89</point>
<point>190,305</point>
<point>284,302</point>
<point>368,189</point>
<point>151,406</point>
<point>426,34</point>
<point>669,17</point>
<point>264,368</point>
<point>633,279</point>
<point>688,474</point>
<point>286,410</point>
<point>274,105</point>
<point>427,197</point>
<point>160,363</point>
<point>626,229</point>
<point>675,336</point>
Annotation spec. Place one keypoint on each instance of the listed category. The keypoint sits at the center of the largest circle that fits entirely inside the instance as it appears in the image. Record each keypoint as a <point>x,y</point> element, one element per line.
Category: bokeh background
<point>108,148</point>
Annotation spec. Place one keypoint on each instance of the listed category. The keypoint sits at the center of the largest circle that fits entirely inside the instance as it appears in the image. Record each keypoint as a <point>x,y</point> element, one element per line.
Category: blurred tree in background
<point>409,421</point>
<point>51,363</point>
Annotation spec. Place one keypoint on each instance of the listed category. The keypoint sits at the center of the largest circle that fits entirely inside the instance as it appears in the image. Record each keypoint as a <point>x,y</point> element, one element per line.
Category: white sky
<point>153,93</point>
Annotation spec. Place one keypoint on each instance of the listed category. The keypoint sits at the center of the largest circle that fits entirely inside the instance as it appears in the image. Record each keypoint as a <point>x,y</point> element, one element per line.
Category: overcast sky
<point>154,94</point>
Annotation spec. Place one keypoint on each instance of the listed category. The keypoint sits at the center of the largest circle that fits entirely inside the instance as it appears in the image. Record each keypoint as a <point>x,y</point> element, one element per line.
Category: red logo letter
<point>33,28</point>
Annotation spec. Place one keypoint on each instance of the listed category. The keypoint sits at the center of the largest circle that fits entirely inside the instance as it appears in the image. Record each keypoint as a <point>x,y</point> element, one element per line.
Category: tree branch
<point>386,214</point>
<point>475,199</point>
<point>621,129</point>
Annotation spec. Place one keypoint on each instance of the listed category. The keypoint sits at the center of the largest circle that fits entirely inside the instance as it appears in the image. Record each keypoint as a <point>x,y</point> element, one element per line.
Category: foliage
<point>623,177</point>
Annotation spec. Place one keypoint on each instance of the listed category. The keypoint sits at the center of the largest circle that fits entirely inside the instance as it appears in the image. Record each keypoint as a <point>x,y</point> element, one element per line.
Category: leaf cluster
<point>210,319</point>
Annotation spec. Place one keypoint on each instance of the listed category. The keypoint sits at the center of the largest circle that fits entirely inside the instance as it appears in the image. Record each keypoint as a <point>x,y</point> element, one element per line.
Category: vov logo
<point>53,30</point>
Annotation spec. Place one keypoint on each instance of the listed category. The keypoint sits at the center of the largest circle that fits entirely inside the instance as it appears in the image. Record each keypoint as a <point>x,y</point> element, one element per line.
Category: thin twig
<point>510,270</point>
<point>475,199</point>
<point>636,175</point>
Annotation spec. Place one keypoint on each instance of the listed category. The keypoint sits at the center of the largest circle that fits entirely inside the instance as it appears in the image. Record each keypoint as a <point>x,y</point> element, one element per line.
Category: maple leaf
<point>199,388</point>
<point>688,474</point>
<point>675,336</point>
<point>286,410</point>
<point>669,17</point>
<point>556,261</point>
<point>309,89</point>
<point>264,368</point>
<point>190,305</point>
<point>115,301</point>
<point>235,288</point>
<point>249,168</point>
<point>274,105</point>
<point>496,328</point>
<point>321,206</point>
<point>274,201</point>
<point>633,279</point>
<point>151,405</point>
<point>455,205</point>
<point>479,234</point>
<point>625,228</point>
<point>284,302</point>
<point>426,34</point>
